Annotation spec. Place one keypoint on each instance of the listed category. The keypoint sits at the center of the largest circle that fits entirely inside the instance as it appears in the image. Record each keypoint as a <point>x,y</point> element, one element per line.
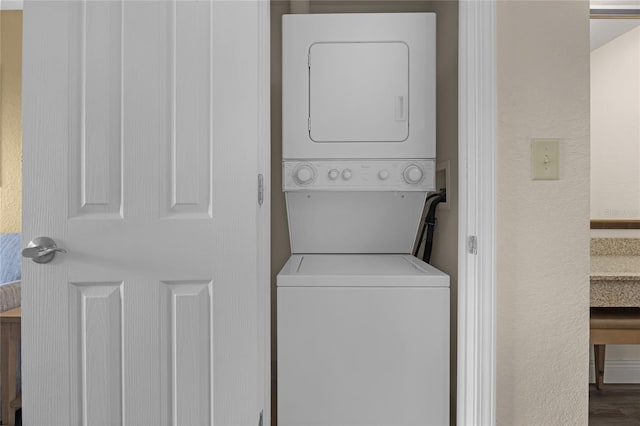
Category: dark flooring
<point>614,404</point>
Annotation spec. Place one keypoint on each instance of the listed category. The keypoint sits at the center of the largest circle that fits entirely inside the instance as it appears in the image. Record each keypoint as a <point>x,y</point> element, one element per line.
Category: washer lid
<point>359,270</point>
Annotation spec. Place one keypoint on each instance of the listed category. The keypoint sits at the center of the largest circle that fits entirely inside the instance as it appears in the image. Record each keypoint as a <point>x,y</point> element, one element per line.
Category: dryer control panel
<point>359,175</point>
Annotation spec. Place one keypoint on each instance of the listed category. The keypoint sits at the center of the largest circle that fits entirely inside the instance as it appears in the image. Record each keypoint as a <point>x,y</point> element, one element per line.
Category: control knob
<point>413,174</point>
<point>333,174</point>
<point>304,174</point>
<point>383,174</point>
<point>346,174</point>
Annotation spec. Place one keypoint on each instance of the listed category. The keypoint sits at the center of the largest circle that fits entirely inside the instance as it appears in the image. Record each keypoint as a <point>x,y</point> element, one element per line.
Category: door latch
<point>472,244</point>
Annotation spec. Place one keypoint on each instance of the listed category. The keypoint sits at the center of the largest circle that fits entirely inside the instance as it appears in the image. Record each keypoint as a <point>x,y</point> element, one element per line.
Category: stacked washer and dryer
<point>363,326</point>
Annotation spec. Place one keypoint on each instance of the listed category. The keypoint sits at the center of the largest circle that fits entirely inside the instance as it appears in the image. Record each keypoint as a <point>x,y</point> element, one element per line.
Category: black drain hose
<point>429,225</point>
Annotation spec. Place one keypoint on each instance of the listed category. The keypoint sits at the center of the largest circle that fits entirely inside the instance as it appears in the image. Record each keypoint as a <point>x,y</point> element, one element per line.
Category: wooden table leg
<point>599,351</point>
<point>9,338</point>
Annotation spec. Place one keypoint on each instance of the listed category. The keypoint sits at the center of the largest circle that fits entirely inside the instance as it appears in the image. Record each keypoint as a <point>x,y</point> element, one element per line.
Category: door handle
<point>42,250</point>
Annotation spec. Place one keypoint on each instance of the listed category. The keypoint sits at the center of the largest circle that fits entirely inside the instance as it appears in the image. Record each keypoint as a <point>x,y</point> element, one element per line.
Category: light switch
<point>545,159</point>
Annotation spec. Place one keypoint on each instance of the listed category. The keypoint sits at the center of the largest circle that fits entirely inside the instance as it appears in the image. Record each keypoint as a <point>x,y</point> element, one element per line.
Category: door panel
<point>190,73</point>
<point>186,347</point>
<point>140,158</point>
<point>95,352</point>
<point>95,108</point>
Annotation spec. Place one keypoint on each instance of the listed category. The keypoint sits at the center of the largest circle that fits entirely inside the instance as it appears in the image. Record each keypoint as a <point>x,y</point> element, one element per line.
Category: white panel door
<point>141,154</point>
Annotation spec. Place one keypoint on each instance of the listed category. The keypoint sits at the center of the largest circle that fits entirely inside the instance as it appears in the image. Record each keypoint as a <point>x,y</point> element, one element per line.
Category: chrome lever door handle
<point>39,251</point>
<point>42,250</point>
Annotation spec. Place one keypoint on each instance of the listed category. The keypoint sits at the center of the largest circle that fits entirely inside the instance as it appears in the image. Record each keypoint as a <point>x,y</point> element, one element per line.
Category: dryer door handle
<point>401,108</point>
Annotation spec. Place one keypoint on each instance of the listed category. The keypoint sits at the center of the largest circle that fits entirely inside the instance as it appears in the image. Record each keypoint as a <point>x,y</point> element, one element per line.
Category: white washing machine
<point>362,340</point>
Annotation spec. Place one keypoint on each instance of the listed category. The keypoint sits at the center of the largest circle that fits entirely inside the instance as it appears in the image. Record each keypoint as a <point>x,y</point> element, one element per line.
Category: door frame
<point>263,246</point>
<point>477,117</point>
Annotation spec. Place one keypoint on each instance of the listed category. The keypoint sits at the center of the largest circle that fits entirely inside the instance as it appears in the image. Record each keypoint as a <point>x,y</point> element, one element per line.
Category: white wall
<point>615,128</point>
<point>542,226</point>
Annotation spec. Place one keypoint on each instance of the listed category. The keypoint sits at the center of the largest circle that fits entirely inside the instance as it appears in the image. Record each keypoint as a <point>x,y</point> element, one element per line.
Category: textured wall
<point>543,226</point>
<point>10,131</point>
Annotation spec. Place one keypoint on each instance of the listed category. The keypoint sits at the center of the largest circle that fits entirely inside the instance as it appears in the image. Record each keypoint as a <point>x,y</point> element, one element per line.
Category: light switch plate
<point>545,159</point>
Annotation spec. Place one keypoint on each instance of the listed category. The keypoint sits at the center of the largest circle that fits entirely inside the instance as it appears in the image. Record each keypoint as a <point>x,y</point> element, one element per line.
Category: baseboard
<point>618,371</point>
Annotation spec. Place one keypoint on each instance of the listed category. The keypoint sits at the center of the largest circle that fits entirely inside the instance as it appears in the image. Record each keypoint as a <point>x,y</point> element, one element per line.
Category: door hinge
<point>309,124</point>
<point>260,419</point>
<point>309,60</point>
<point>472,244</point>
<point>260,189</point>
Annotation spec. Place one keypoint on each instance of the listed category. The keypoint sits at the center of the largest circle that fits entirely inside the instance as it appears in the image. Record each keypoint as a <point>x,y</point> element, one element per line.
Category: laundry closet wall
<point>445,252</point>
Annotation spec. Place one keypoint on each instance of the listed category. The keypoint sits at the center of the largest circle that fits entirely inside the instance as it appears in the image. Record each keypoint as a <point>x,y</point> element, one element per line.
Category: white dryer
<point>359,86</point>
<point>363,340</point>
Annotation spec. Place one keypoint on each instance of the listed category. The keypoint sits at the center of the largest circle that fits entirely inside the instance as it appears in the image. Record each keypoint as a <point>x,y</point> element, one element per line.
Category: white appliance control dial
<point>304,174</point>
<point>359,175</point>
<point>413,174</point>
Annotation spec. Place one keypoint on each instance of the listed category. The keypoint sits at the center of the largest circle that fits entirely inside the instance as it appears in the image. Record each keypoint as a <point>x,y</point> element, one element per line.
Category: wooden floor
<point>614,405</point>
